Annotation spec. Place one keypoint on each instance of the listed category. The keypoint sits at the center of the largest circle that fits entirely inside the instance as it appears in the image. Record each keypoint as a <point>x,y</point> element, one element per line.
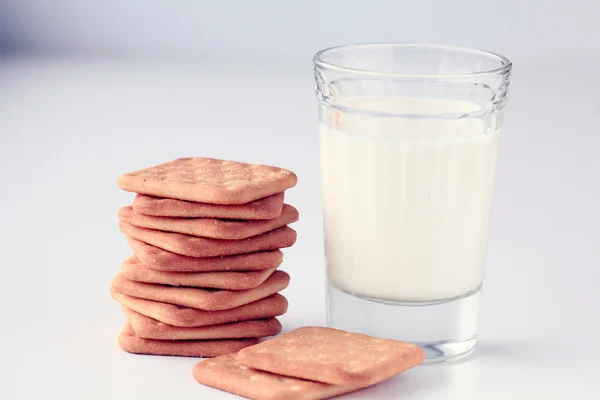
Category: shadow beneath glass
<point>516,352</point>
<point>456,379</point>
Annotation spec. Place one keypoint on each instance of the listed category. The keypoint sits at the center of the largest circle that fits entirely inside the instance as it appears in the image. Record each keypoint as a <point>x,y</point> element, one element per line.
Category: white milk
<point>406,201</point>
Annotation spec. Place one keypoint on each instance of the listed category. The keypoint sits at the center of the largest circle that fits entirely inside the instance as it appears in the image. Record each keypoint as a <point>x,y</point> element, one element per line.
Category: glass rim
<point>506,63</point>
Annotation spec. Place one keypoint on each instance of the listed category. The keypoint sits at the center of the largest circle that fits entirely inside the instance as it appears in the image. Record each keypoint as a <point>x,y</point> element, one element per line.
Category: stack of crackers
<point>309,363</point>
<point>206,236</point>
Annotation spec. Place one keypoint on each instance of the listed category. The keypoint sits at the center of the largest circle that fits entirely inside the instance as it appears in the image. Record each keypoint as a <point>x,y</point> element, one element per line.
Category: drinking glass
<point>409,139</point>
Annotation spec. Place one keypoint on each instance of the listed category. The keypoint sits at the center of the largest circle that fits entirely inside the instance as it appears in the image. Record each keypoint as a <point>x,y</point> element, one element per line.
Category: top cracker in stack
<point>198,225</point>
<point>208,180</point>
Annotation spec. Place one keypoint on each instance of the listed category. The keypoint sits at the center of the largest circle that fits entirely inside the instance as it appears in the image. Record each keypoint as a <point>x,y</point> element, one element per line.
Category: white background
<point>89,90</point>
<point>262,28</point>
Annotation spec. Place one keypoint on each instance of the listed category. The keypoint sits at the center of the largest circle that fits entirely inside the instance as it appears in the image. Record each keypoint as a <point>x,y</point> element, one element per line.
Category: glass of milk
<point>409,140</point>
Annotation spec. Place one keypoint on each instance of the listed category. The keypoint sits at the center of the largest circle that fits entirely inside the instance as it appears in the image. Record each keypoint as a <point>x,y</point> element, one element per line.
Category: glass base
<point>447,351</point>
<point>445,329</point>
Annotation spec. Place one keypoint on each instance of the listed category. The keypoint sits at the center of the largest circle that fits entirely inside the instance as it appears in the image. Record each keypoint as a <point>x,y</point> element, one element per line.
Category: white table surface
<point>69,128</point>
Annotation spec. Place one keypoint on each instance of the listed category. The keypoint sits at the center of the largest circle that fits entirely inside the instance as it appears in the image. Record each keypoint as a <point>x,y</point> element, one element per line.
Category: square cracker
<point>333,356</point>
<point>164,260</point>
<point>203,299</point>
<point>209,227</point>
<point>193,246</point>
<point>171,314</point>
<point>135,270</point>
<point>267,208</point>
<point>209,180</point>
<point>149,328</point>
<point>226,373</point>
<point>131,343</point>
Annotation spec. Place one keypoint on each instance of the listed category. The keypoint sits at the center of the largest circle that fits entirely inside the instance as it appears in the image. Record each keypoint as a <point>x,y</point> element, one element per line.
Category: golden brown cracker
<point>203,299</point>
<point>265,208</point>
<point>131,343</point>
<point>272,306</point>
<point>164,260</point>
<point>149,328</point>
<point>135,270</point>
<point>209,180</point>
<point>193,246</point>
<point>226,373</point>
<point>209,227</point>
<point>333,356</point>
